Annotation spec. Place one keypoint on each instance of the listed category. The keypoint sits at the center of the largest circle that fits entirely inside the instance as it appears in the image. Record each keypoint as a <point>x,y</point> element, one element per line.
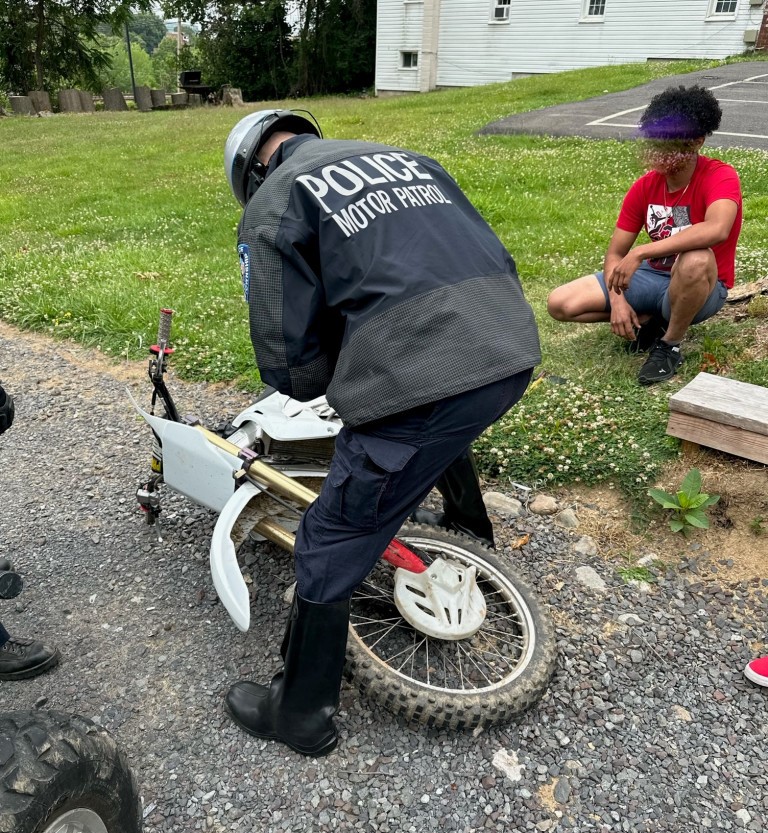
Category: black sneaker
<point>645,337</point>
<point>23,658</point>
<point>661,364</point>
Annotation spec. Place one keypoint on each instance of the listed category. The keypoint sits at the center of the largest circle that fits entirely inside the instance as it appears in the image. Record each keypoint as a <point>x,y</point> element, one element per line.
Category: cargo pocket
<point>364,482</point>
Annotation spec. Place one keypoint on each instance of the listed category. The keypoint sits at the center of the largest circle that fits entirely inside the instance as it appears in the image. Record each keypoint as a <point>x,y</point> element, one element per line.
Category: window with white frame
<point>723,8</point>
<point>409,60</point>
<point>500,11</point>
<point>593,10</point>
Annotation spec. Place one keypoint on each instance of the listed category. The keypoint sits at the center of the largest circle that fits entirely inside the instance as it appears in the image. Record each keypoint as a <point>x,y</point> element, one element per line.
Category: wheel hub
<point>444,601</point>
<point>80,820</point>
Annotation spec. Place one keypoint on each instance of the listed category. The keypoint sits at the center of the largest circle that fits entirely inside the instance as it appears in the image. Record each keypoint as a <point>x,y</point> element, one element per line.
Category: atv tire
<point>62,774</point>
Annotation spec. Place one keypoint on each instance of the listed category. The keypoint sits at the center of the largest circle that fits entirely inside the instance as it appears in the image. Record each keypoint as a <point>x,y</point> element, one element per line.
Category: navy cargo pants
<point>4,635</point>
<point>380,473</point>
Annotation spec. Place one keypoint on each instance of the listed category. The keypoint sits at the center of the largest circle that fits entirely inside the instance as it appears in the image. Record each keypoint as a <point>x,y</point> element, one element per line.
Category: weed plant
<point>106,217</point>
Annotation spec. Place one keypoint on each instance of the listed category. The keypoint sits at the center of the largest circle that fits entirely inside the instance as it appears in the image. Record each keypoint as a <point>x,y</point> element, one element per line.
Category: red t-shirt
<point>648,205</point>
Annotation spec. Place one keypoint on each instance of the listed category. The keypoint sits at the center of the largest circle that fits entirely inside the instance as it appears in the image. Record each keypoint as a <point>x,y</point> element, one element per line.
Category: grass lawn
<point>104,218</point>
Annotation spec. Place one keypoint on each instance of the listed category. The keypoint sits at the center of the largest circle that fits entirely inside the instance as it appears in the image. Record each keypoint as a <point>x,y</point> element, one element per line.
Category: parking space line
<point>752,79</point>
<point>716,133</point>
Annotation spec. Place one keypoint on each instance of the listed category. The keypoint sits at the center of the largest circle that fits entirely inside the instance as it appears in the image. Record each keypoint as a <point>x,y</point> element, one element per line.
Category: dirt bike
<point>443,632</point>
<point>60,773</point>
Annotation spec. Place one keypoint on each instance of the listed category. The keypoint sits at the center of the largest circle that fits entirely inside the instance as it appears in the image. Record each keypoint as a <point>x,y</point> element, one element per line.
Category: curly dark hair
<point>681,113</point>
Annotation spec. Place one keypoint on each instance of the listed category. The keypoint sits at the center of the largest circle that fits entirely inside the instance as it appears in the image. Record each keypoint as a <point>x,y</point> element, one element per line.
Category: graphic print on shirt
<point>663,221</point>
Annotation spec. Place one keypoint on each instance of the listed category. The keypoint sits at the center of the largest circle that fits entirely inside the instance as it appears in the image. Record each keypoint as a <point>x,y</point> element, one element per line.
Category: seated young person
<point>690,207</point>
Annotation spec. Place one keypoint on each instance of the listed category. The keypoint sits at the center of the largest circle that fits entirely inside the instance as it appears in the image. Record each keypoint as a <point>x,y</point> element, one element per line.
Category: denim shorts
<point>648,294</point>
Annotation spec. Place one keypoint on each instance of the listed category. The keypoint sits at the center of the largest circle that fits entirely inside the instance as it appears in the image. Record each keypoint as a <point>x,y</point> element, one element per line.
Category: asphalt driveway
<point>741,89</point>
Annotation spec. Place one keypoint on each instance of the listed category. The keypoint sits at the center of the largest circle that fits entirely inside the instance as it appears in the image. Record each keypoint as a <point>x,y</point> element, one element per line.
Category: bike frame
<point>220,475</point>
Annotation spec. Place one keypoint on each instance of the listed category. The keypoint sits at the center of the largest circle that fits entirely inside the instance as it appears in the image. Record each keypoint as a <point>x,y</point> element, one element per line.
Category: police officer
<point>370,278</point>
<point>19,658</point>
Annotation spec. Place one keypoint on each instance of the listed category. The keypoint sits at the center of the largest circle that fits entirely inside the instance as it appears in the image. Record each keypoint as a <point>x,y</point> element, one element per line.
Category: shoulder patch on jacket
<point>245,264</point>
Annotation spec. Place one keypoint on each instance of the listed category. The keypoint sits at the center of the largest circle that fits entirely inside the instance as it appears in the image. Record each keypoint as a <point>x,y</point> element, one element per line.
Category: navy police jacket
<point>372,279</point>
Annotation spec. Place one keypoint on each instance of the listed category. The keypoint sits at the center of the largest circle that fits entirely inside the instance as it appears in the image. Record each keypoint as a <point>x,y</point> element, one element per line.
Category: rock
<point>562,791</point>
<point>22,105</point>
<point>585,546</point>
<point>69,101</point>
<point>158,98</point>
<point>86,101</point>
<point>629,619</point>
<point>567,519</point>
<point>114,99</point>
<point>543,505</point>
<point>143,99</point>
<point>507,507</point>
<point>681,714</point>
<point>744,816</point>
<point>40,101</point>
<point>508,763</point>
<point>589,578</point>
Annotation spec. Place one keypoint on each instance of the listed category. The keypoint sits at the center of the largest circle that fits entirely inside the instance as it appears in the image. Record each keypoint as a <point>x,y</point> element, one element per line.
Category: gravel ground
<point>648,724</point>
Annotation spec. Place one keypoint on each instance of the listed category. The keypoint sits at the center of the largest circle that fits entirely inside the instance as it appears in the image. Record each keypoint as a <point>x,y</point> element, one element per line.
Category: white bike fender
<point>191,465</point>
<point>227,578</point>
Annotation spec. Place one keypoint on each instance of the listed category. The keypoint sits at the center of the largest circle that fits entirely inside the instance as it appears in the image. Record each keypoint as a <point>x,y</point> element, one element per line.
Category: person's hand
<point>624,321</point>
<point>621,274</point>
<point>7,410</point>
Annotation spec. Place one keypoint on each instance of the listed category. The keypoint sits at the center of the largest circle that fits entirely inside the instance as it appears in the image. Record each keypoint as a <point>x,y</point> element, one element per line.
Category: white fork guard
<point>227,578</point>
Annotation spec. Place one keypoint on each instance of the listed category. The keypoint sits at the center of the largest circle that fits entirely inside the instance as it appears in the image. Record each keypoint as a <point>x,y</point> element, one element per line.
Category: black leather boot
<point>463,507</point>
<point>24,658</point>
<point>298,706</point>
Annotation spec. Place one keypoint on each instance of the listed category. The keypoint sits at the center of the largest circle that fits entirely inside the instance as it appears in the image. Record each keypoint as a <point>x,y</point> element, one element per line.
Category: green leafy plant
<point>688,505</point>
<point>756,525</point>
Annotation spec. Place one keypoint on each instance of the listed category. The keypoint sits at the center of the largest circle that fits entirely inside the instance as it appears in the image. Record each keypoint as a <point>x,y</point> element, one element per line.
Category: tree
<point>150,29</point>
<point>167,63</point>
<point>337,46</point>
<point>118,73</point>
<point>248,47</point>
<point>45,43</point>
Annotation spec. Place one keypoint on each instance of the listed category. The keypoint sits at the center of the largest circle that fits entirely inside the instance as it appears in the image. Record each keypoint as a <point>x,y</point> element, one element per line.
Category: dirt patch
<point>735,547</point>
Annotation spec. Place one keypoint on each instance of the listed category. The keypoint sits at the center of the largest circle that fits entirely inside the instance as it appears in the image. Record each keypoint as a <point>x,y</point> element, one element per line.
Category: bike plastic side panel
<point>227,578</point>
<point>191,465</point>
<point>270,416</point>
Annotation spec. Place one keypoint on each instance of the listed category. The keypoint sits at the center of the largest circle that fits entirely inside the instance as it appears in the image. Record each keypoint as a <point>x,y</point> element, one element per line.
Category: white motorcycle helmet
<point>244,171</point>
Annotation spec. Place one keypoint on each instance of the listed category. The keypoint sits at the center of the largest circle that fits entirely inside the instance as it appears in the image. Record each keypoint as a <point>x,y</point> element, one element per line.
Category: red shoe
<point>757,671</point>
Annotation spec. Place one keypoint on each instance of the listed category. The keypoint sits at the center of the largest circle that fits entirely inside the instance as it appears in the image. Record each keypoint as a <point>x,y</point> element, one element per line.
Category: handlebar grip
<point>164,327</point>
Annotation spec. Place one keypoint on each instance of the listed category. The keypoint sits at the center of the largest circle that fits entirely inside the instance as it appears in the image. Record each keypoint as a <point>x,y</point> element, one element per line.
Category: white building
<point>427,44</point>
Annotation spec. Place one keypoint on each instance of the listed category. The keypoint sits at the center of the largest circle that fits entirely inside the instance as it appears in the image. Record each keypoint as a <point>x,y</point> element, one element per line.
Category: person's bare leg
<point>582,301</point>
<point>691,283</point>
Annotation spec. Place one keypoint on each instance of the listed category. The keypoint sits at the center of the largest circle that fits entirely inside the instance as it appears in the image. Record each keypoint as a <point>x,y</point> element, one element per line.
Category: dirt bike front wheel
<point>62,774</point>
<point>480,681</point>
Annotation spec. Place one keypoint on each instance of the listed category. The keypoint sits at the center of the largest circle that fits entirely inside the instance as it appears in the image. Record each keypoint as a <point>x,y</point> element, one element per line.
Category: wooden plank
<point>716,435</point>
<point>720,399</point>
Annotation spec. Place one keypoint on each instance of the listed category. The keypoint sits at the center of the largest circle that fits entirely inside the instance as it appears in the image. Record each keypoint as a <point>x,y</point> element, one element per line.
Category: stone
<point>86,101</point>
<point>195,100</point>
<point>589,578</point>
<point>629,619</point>
<point>501,504</point>
<point>543,505</point>
<point>567,519</point>
<point>69,101</point>
<point>22,105</point>
<point>41,101</point>
<point>179,99</point>
<point>508,763</point>
<point>158,98</point>
<point>681,714</point>
<point>562,791</point>
<point>585,546</point>
<point>114,99</point>
<point>744,815</point>
<point>232,97</point>
<point>143,98</point>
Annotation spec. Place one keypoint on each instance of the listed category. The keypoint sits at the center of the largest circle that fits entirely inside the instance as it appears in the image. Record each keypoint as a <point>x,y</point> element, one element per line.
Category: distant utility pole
<point>178,52</point>
<point>130,59</point>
